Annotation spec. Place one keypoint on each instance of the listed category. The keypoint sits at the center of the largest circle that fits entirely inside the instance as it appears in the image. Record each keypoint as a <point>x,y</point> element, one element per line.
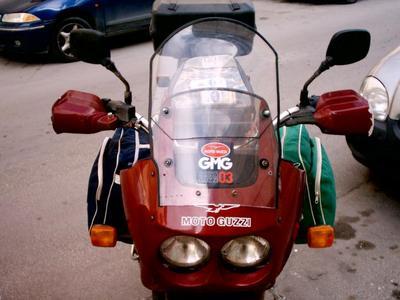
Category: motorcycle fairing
<point>210,83</point>
<point>140,194</point>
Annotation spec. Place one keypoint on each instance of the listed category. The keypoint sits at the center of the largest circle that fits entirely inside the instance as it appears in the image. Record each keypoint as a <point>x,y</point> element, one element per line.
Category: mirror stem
<point>109,65</point>
<point>325,65</point>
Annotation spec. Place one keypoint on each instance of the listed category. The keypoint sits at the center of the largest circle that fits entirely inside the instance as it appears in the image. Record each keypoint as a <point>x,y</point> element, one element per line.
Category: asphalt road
<point>44,248</point>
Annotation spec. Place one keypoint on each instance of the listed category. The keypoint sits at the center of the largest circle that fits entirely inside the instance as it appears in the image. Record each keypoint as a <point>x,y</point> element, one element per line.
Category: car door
<point>126,15</point>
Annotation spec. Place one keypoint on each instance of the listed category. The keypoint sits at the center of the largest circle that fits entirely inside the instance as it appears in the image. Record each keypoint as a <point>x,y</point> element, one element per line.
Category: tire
<point>59,48</point>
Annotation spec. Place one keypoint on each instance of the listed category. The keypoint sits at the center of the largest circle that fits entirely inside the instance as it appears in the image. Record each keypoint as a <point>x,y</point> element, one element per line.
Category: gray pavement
<point>44,248</point>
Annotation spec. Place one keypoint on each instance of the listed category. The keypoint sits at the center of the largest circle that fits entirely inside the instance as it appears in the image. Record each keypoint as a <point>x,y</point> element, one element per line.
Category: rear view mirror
<point>343,112</point>
<point>348,46</point>
<point>89,46</point>
<point>345,47</point>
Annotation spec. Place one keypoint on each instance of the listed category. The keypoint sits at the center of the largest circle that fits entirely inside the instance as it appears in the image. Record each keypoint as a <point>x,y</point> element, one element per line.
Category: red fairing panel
<point>150,224</point>
<point>80,112</point>
<point>343,112</point>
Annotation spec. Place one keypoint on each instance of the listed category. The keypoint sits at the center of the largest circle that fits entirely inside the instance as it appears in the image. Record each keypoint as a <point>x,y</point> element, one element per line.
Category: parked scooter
<point>214,210</point>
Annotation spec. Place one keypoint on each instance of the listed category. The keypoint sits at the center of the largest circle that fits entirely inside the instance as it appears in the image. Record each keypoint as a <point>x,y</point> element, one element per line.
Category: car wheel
<point>60,47</point>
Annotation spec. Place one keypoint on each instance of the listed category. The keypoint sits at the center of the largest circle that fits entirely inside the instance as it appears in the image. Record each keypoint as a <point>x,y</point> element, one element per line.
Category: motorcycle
<point>215,209</point>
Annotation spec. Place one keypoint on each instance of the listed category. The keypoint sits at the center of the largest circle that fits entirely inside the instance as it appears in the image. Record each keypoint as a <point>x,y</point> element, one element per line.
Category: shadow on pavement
<point>387,182</point>
<point>116,42</point>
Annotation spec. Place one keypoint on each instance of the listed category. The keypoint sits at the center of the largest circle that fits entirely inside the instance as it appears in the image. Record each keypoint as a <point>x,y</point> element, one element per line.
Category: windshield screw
<point>168,162</point>
<point>264,164</point>
<point>198,193</point>
<point>165,110</point>
<point>235,193</point>
<point>266,113</point>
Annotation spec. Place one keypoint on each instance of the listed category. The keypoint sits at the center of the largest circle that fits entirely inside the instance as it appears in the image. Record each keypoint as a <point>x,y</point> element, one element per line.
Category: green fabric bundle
<point>319,205</point>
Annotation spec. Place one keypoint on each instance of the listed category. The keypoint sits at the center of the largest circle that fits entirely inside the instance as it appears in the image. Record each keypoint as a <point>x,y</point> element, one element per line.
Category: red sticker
<point>225,177</point>
<point>215,150</point>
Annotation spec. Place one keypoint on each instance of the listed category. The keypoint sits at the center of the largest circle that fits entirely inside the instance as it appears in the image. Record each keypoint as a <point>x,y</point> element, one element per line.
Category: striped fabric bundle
<point>104,197</point>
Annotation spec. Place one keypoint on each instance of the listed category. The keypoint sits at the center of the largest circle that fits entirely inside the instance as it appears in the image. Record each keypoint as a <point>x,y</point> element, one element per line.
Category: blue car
<point>45,25</point>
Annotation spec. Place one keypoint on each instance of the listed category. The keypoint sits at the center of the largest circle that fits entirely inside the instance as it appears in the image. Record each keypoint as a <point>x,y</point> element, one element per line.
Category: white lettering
<point>185,221</point>
<point>220,163</point>
<point>233,222</point>
<point>210,221</point>
<point>197,221</point>
<point>220,221</point>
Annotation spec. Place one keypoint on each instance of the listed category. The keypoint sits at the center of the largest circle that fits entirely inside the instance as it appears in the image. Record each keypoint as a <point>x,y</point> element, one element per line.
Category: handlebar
<point>80,112</point>
<point>340,112</point>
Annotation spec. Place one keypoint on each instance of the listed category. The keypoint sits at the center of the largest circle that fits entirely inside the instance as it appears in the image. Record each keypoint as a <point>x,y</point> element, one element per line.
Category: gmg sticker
<point>215,157</point>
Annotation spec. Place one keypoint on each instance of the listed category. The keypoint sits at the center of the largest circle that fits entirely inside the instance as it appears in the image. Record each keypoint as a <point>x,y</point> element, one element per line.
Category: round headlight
<point>374,91</point>
<point>245,252</point>
<point>185,251</point>
<point>19,18</point>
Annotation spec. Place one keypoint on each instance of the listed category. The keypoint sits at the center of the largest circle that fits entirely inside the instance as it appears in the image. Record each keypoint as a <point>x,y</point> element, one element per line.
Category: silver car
<point>381,89</point>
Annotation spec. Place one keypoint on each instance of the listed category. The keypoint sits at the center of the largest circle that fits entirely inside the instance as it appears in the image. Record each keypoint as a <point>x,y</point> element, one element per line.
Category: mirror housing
<point>345,47</point>
<point>79,112</point>
<point>90,46</point>
<point>348,46</point>
<point>343,113</point>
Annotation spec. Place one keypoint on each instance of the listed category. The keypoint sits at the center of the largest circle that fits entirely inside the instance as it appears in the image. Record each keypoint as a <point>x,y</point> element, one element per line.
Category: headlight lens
<point>185,251</point>
<point>19,18</point>
<point>374,91</point>
<point>245,252</point>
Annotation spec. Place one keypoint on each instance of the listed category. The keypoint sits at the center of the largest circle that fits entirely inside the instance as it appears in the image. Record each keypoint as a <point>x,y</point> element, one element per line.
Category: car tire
<point>60,49</point>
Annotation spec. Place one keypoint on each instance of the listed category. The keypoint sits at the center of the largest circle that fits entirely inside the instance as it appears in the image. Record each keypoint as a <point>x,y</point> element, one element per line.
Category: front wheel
<point>60,47</point>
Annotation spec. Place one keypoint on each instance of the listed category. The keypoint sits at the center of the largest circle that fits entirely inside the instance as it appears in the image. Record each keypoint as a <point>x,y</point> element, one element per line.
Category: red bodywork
<point>343,112</point>
<point>151,224</point>
<point>80,112</point>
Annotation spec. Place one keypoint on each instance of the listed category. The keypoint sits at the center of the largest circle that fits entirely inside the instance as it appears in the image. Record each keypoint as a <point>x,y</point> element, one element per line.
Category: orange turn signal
<point>103,235</point>
<point>320,236</point>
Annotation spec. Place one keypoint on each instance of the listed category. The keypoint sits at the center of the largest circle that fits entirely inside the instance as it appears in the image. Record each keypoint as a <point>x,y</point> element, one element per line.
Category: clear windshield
<point>213,97</point>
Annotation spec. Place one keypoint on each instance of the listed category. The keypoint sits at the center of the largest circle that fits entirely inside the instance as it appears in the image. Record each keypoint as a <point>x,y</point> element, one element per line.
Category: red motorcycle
<point>214,210</point>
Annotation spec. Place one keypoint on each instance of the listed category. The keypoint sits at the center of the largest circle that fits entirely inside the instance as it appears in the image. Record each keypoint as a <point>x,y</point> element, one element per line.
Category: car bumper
<point>23,38</point>
<point>381,149</point>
